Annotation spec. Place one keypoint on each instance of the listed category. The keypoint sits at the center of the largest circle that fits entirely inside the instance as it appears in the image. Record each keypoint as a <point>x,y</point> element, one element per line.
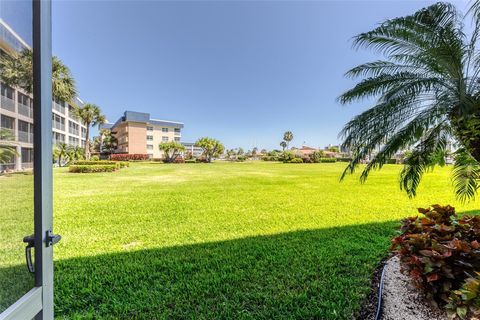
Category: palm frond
<point>466,175</point>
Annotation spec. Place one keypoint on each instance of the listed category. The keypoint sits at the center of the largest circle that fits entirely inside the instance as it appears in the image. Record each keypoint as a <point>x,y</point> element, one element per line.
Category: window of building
<point>58,138</point>
<point>73,128</point>
<point>164,138</point>
<point>23,126</point>
<point>73,141</point>
<point>84,132</point>
<point>149,147</point>
<point>177,130</point>
<point>27,155</point>
<point>58,122</point>
<point>150,138</point>
<point>7,122</point>
<point>23,99</point>
<point>6,91</point>
<point>177,139</point>
<point>164,129</point>
<point>149,128</point>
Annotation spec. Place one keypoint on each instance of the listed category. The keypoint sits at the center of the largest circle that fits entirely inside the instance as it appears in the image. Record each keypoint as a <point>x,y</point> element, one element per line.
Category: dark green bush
<point>392,161</point>
<point>241,158</point>
<point>295,160</point>
<point>316,156</point>
<point>441,253</point>
<point>119,164</point>
<point>190,161</point>
<point>93,168</point>
<point>344,159</point>
<point>328,160</point>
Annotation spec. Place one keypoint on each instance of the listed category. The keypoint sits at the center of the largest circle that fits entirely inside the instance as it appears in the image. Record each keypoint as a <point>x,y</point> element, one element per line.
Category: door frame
<point>38,302</point>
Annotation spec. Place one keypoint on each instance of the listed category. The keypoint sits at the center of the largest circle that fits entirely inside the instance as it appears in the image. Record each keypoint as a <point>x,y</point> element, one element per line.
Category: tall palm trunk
<point>87,142</point>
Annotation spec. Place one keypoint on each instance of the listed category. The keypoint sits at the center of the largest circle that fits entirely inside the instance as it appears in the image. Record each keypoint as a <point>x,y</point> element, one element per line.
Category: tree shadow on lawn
<point>321,274</point>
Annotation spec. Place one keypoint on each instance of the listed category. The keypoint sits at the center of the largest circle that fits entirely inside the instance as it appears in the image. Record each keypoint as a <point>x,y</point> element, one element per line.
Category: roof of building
<point>141,117</point>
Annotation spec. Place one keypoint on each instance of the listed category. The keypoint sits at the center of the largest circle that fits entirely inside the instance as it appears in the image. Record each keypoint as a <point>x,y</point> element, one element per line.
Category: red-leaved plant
<point>441,253</point>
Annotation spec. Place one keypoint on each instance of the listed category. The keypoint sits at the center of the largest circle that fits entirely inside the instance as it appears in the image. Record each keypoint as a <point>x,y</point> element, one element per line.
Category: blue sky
<point>242,72</point>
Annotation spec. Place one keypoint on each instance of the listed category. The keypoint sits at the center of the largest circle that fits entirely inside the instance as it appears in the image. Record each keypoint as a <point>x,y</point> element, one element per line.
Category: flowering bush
<point>92,168</point>
<point>441,253</point>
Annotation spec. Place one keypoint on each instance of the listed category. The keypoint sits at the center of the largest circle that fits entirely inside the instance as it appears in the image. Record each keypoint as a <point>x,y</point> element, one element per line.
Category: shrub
<point>93,162</point>
<point>241,158</point>
<point>92,168</point>
<point>344,159</point>
<point>179,160</point>
<point>328,160</point>
<point>307,159</point>
<point>190,161</point>
<point>392,161</point>
<point>286,156</point>
<point>94,158</point>
<point>441,253</point>
<point>128,157</point>
<point>317,155</point>
<point>295,160</point>
<point>119,164</point>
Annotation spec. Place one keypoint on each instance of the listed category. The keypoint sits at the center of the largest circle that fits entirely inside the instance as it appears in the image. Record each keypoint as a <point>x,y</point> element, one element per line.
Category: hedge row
<point>128,157</point>
<point>119,164</point>
<point>92,168</point>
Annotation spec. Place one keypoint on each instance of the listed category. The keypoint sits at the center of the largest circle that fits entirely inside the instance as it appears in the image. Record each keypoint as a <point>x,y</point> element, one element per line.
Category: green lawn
<point>223,240</point>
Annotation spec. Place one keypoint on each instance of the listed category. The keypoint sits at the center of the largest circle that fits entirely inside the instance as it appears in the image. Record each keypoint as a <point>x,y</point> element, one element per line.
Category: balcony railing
<point>58,125</point>
<point>7,104</point>
<point>27,165</point>
<point>25,136</point>
<point>25,110</point>
<point>58,107</point>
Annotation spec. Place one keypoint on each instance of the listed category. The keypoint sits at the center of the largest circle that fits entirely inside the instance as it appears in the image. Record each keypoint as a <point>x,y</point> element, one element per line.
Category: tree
<point>75,153</point>
<point>91,115</point>
<point>211,147</point>
<point>60,151</point>
<point>287,137</point>
<point>16,70</point>
<point>283,144</point>
<point>427,92</point>
<point>254,152</point>
<point>171,150</point>
<point>108,141</point>
<point>7,150</point>
<point>240,151</point>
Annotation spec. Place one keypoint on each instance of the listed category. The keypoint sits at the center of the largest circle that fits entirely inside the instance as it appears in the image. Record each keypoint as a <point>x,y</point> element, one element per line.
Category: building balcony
<point>25,110</point>
<point>25,136</point>
<point>7,104</point>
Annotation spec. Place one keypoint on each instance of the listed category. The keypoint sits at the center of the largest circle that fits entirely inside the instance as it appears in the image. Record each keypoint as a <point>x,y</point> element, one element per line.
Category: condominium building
<point>192,150</point>
<point>16,113</point>
<point>138,133</point>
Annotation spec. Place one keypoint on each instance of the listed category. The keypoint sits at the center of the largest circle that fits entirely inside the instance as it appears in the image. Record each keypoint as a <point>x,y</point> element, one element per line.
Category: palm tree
<point>427,92</point>
<point>283,144</point>
<point>61,150</point>
<point>7,151</point>
<point>16,70</point>
<point>91,115</point>
<point>75,153</point>
<point>287,137</point>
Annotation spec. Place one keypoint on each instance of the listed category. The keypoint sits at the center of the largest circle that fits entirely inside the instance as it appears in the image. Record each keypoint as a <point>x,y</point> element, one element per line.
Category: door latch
<point>30,241</point>
<point>51,238</point>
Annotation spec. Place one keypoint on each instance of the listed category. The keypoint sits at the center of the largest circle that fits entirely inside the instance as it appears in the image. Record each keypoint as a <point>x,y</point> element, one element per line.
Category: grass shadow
<point>321,274</point>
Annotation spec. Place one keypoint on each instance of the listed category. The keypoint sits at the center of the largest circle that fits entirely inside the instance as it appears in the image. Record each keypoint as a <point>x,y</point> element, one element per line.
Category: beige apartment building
<point>138,133</point>
<point>16,113</point>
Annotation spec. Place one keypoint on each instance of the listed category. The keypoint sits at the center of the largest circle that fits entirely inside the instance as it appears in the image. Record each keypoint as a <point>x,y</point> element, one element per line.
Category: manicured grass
<point>223,240</point>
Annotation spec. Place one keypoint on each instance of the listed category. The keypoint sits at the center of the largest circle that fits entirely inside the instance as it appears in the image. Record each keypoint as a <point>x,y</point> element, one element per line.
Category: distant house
<point>306,151</point>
